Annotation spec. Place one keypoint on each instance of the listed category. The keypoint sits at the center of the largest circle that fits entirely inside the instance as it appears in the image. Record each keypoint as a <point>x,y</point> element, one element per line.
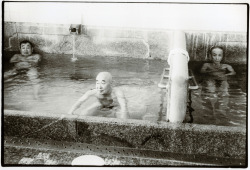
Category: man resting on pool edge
<point>107,98</point>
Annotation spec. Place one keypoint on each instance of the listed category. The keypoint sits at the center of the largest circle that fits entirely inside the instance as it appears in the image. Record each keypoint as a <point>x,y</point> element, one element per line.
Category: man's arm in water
<point>15,59</point>
<point>34,58</point>
<point>81,100</point>
<point>204,68</point>
<point>123,103</point>
<point>231,70</point>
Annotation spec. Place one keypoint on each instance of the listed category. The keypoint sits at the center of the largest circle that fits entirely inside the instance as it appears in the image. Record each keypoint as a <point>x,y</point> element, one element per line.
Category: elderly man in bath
<point>107,100</point>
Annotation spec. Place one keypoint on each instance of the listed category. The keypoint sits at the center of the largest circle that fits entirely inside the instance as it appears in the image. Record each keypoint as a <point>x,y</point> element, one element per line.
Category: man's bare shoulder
<point>207,64</point>
<point>118,91</point>
<point>16,55</point>
<point>87,94</point>
<point>35,56</point>
<point>226,65</point>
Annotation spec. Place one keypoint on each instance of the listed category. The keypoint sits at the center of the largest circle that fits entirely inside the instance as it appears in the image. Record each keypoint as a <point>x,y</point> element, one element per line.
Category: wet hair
<point>214,47</point>
<point>25,42</point>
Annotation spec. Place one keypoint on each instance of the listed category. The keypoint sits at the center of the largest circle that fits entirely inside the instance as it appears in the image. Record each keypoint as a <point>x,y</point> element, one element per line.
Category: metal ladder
<point>165,78</point>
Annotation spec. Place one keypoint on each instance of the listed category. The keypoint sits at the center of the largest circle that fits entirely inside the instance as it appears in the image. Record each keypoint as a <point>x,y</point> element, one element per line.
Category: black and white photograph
<point>125,84</point>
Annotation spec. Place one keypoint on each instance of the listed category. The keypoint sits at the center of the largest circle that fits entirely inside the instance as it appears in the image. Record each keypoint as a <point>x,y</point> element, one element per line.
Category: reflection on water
<point>221,110</point>
<point>62,82</point>
<point>223,101</point>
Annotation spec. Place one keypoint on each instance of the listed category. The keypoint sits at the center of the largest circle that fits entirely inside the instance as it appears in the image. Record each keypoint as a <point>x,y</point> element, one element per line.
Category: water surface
<point>63,82</point>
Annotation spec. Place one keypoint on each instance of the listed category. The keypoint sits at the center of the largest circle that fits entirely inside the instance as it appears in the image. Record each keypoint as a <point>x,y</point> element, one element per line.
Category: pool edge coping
<point>134,122</point>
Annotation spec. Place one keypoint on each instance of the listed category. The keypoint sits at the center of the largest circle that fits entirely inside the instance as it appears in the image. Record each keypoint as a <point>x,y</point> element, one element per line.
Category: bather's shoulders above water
<point>226,66</point>
<point>36,57</point>
<point>118,91</point>
<point>207,65</point>
<point>15,57</point>
<point>20,58</point>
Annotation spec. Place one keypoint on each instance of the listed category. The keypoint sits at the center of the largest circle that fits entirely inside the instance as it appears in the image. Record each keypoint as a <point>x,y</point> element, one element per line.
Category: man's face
<point>217,55</point>
<point>103,84</point>
<point>26,49</point>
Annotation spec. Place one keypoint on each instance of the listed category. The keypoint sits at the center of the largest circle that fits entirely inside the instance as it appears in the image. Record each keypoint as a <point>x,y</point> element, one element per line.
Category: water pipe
<point>178,79</point>
<point>10,46</point>
<point>145,42</point>
<point>73,59</point>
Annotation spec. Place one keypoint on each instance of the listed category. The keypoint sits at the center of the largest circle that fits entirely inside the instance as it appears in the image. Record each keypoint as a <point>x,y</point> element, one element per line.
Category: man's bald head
<point>103,83</point>
<point>105,76</point>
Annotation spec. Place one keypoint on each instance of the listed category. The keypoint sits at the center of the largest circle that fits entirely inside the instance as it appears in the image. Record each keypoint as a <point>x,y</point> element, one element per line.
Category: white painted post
<point>178,81</point>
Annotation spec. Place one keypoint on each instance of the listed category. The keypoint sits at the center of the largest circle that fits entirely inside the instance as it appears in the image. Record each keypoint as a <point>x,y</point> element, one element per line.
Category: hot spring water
<point>62,82</point>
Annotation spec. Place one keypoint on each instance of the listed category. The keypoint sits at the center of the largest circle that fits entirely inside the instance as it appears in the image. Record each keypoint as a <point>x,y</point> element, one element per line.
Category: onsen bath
<point>146,134</point>
<point>38,130</point>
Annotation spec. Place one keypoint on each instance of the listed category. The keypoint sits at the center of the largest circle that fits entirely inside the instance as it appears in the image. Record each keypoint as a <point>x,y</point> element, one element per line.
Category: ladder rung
<point>193,87</point>
<point>191,77</point>
<point>167,76</point>
<point>163,86</point>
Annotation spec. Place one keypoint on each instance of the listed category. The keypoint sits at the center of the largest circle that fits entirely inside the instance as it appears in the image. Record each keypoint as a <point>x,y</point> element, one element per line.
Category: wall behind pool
<point>113,29</point>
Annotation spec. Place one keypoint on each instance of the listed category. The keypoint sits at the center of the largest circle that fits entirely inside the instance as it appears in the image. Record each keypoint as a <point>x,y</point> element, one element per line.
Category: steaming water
<point>62,82</point>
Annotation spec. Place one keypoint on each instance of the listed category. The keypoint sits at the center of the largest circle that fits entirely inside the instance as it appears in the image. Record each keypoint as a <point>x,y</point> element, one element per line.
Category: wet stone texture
<point>9,31</point>
<point>217,141</point>
<point>13,45</point>
<point>159,44</point>
<point>100,41</point>
<point>22,156</point>
<point>15,156</point>
<point>39,127</point>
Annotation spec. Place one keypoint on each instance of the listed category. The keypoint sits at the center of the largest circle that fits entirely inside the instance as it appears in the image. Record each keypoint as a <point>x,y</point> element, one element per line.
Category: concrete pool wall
<point>123,42</point>
<point>200,141</point>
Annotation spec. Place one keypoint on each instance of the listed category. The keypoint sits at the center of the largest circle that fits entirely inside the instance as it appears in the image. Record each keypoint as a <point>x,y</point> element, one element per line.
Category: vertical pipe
<point>73,44</point>
<point>178,82</point>
<point>73,59</point>
<point>145,41</point>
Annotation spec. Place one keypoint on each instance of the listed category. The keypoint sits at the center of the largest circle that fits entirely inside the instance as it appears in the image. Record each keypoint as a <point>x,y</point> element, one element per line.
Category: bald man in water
<point>108,100</point>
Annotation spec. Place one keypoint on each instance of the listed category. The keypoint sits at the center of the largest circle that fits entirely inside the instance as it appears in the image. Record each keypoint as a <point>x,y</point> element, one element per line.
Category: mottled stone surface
<point>125,42</point>
<point>23,29</point>
<point>109,32</point>
<point>36,30</point>
<point>85,46</point>
<point>159,44</point>
<point>28,151</point>
<point>44,126</point>
<point>211,140</point>
<point>37,156</point>
<point>14,43</point>
<point>9,31</point>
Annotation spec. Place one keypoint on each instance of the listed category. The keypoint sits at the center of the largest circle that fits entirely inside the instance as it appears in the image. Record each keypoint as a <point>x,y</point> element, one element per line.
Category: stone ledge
<point>211,140</point>
<point>28,151</point>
